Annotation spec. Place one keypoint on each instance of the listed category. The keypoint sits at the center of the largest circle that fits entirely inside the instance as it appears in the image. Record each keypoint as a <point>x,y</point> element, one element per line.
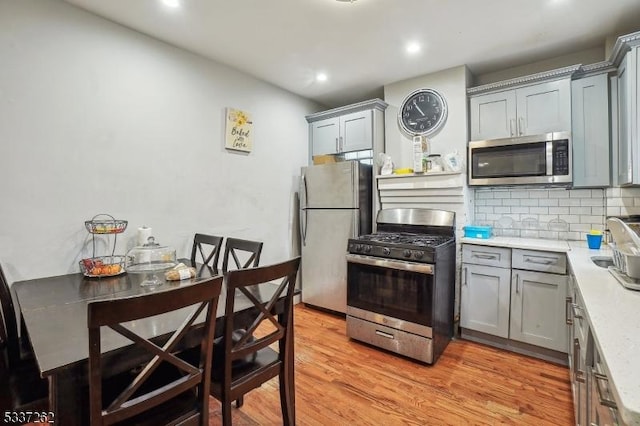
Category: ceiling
<point>360,45</point>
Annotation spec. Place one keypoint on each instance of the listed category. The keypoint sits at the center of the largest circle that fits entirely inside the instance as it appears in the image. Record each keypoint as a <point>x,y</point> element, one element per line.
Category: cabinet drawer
<point>543,261</point>
<point>485,255</point>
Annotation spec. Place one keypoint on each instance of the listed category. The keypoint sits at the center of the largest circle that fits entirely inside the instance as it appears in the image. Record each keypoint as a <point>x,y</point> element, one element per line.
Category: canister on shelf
<point>434,163</point>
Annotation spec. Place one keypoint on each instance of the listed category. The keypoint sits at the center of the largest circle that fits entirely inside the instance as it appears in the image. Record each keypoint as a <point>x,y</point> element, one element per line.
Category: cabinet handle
<point>567,315</point>
<point>517,283</point>
<point>576,307</point>
<point>577,374</point>
<point>512,124</point>
<point>337,146</point>
<point>486,256</point>
<point>606,402</point>
<point>341,144</point>
<point>539,262</point>
<point>465,276</point>
<point>521,126</point>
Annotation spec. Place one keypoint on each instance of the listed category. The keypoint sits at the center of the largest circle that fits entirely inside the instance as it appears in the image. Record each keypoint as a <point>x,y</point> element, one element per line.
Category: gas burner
<point>420,240</point>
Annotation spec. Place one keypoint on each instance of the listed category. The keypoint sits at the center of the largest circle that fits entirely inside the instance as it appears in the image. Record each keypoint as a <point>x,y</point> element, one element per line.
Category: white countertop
<point>612,310</point>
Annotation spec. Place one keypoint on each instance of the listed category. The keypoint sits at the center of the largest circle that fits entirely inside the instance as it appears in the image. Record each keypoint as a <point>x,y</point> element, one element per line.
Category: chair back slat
<point>208,248</point>
<point>251,282</point>
<point>139,396</point>
<point>244,253</point>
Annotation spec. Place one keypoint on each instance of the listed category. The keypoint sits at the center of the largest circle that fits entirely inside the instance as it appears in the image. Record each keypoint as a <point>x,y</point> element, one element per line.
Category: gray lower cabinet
<point>484,299</point>
<point>603,409</point>
<point>538,309</point>
<point>577,351</point>
<point>516,305</point>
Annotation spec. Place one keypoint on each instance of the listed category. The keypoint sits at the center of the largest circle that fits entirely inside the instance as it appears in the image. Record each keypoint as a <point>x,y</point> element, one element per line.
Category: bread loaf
<point>180,274</point>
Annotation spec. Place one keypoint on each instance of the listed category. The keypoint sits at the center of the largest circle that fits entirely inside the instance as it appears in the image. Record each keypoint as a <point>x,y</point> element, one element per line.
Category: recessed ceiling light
<point>171,3</point>
<point>413,47</point>
<point>321,76</point>
<point>346,1</point>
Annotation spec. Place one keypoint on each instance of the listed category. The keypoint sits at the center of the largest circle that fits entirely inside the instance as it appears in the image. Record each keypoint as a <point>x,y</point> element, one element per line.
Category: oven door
<point>397,289</point>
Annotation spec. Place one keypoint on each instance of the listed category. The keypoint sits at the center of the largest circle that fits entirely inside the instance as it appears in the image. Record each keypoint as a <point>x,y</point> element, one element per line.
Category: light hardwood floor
<point>343,382</point>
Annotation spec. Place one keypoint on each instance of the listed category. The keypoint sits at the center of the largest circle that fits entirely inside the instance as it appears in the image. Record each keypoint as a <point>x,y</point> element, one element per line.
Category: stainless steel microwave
<point>525,160</point>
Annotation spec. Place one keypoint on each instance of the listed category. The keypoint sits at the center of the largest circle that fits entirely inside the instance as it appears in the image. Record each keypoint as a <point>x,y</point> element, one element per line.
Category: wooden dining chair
<point>27,390</point>
<point>238,376</point>
<point>208,247</point>
<point>152,397</point>
<point>244,253</point>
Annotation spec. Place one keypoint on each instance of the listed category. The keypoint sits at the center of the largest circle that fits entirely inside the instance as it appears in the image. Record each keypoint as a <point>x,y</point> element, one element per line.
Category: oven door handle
<point>421,268</point>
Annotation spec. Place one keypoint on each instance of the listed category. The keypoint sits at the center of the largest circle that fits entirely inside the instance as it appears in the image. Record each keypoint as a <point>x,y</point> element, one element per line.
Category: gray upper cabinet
<point>325,134</point>
<point>628,119</point>
<point>351,132</point>
<point>590,131</point>
<point>528,110</point>
<point>351,128</point>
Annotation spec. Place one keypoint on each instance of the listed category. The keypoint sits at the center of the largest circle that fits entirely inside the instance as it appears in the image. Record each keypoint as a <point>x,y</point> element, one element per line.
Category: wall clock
<point>423,112</point>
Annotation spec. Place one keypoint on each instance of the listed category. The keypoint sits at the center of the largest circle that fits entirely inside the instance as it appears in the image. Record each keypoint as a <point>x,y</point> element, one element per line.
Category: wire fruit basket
<point>109,265</point>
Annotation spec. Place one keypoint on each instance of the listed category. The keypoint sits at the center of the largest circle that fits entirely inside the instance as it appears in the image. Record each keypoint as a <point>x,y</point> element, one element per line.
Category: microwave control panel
<point>561,157</point>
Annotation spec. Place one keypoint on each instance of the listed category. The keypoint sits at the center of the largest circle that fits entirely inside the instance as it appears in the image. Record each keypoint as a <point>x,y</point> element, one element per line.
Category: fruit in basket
<point>88,264</point>
<point>96,270</point>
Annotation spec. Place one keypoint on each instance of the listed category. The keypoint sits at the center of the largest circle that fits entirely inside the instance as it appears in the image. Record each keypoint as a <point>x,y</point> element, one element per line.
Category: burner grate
<point>405,238</point>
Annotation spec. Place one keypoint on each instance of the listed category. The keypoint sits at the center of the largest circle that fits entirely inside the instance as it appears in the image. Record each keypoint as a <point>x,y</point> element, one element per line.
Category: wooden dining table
<point>54,311</point>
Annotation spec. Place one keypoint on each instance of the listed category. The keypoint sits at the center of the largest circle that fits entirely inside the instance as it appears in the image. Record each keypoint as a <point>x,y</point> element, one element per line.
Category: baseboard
<point>550,355</point>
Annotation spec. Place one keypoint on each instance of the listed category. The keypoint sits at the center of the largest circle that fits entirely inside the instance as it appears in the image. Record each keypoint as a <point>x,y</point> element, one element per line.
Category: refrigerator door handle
<point>303,209</point>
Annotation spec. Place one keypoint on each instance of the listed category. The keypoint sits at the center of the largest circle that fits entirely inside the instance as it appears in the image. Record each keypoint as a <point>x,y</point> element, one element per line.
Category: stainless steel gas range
<point>400,283</point>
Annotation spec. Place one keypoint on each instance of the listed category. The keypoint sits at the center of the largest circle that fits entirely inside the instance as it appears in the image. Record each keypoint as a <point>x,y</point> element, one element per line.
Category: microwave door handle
<point>549,154</point>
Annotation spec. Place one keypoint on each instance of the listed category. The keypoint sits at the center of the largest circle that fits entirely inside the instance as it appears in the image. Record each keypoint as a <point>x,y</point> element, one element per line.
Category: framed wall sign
<point>238,130</point>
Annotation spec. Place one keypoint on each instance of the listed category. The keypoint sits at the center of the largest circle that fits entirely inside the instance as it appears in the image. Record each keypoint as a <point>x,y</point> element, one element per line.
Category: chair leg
<point>285,401</point>
<point>226,410</point>
<point>240,401</point>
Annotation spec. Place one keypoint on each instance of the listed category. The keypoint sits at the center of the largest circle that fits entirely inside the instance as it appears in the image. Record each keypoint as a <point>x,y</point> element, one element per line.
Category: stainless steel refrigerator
<point>335,205</point>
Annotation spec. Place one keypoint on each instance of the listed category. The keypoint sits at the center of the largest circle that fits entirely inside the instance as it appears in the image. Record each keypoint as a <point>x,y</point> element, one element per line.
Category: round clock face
<point>423,112</point>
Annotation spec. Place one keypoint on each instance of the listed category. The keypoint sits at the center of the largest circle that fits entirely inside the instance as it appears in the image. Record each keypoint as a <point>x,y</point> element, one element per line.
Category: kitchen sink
<point>602,261</point>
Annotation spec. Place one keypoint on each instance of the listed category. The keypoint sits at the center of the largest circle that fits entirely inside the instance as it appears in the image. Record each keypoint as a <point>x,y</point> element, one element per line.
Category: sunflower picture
<point>238,130</point>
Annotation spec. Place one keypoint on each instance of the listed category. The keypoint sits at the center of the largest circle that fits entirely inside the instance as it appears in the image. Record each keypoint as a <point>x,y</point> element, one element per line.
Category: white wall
<point>96,118</point>
<point>451,83</point>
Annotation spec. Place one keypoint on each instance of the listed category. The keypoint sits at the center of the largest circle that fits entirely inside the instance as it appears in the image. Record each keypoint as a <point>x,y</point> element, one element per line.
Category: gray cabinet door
<point>484,299</point>
<point>590,127</point>
<point>628,119</point>
<point>493,115</point>
<point>325,136</point>
<point>538,313</point>
<point>544,108</point>
<point>356,131</point>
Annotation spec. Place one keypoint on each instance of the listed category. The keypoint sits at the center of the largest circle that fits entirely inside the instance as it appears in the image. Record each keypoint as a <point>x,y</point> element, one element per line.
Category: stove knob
<point>407,253</point>
<point>358,247</point>
<point>386,251</point>
<point>418,254</point>
<point>367,249</point>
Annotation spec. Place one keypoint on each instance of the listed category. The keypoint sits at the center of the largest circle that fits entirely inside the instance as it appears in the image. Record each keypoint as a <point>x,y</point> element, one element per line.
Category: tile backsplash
<point>552,213</point>
<point>563,214</point>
